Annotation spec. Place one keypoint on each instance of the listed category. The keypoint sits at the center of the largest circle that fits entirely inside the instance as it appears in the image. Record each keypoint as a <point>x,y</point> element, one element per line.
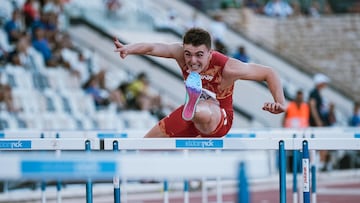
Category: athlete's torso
<point>212,79</point>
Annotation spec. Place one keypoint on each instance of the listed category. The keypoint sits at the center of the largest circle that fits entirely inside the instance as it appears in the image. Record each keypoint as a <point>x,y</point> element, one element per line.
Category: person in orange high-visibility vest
<point>297,116</point>
<point>297,113</point>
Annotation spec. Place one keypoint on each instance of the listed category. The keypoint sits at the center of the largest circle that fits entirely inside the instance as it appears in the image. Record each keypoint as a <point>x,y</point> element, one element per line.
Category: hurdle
<point>316,140</point>
<point>103,166</point>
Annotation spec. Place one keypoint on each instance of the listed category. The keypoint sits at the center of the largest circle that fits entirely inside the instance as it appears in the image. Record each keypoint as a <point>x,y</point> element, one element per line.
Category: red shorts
<point>174,125</point>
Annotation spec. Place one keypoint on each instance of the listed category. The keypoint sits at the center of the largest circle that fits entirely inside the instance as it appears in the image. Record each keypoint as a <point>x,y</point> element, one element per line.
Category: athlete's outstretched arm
<point>276,89</point>
<point>236,70</point>
<point>153,49</point>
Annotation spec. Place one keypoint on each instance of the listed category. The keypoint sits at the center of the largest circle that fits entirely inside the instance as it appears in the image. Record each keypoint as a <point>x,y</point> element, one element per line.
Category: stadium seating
<point>55,90</point>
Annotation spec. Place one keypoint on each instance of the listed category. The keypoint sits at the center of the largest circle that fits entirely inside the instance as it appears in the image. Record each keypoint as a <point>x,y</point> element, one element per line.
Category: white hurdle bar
<point>48,144</point>
<point>179,143</point>
<point>231,144</point>
<point>319,132</point>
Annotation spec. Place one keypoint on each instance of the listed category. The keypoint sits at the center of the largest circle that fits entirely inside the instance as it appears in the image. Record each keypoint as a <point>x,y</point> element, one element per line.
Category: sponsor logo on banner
<point>112,135</point>
<point>199,143</point>
<point>15,144</point>
<point>241,135</point>
<point>306,178</point>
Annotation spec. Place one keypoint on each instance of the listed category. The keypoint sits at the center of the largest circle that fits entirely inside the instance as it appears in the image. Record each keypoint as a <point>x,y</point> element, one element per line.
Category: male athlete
<point>210,78</point>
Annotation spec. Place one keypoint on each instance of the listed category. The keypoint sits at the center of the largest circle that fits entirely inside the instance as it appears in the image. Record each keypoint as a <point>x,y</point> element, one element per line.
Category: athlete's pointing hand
<point>120,48</point>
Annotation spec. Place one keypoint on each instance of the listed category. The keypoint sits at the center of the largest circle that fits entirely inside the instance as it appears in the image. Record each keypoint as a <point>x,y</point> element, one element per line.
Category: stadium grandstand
<point>46,91</point>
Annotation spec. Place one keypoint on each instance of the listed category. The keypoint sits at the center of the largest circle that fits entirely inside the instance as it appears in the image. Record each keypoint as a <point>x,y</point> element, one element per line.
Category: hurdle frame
<point>56,141</point>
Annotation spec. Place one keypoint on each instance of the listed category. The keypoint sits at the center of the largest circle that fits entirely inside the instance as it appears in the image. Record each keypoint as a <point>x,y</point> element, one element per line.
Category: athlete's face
<point>196,58</point>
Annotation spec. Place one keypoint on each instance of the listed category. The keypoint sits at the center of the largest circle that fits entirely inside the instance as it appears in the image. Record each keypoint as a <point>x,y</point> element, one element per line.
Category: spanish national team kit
<point>175,126</point>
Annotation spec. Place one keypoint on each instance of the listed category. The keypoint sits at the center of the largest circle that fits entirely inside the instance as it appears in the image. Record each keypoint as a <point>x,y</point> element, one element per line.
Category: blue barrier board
<point>71,168</point>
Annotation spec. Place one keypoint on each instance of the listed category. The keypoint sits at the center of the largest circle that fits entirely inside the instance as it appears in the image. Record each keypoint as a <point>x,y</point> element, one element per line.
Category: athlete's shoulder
<point>218,58</point>
<point>177,50</point>
<point>217,54</point>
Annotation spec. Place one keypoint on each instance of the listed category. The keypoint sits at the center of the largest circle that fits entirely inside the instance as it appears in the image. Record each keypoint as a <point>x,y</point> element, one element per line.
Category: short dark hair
<point>142,76</point>
<point>197,37</point>
<point>299,91</point>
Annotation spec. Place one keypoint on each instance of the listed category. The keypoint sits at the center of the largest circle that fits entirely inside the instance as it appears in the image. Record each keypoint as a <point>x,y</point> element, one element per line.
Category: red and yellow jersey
<point>211,80</point>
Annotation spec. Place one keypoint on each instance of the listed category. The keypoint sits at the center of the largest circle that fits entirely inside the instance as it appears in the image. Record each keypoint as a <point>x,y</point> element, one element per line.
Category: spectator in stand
<point>172,14</point>
<point>194,21</point>
<point>102,97</point>
<point>329,118</point>
<point>6,97</point>
<point>253,5</point>
<point>52,6</point>
<point>21,55</point>
<point>297,112</point>
<point>3,54</point>
<point>14,59</point>
<point>31,12</point>
<point>41,44</point>
<point>355,118</point>
<point>278,8</point>
<point>139,93</point>
<point>241,54</point>
<point>218,28</point>
<point>317,113</point>
<point>329,115</point>
<point>50,25</point>
<point>79,67</point>
<point>99,95</point>
<point>141,96</point>
<point>316,101</point>
<point>220,47</point>
<point>56,7</point>
<point>314,10</point>
<point>112,7</point>
<point>13,27</point>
